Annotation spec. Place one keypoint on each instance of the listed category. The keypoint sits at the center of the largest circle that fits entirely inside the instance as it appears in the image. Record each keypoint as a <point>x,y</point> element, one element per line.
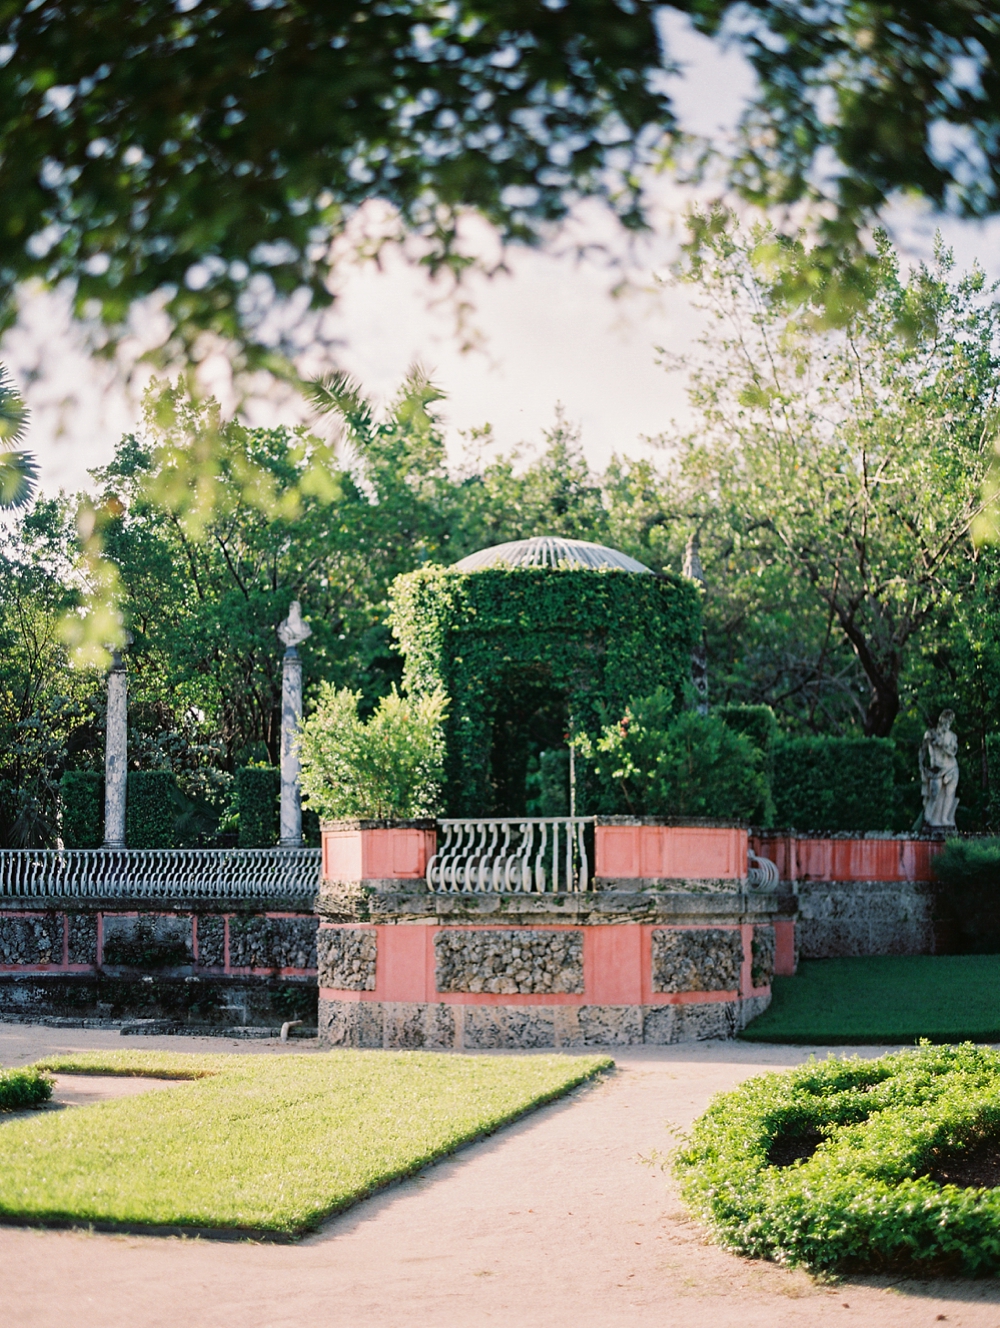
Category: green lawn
<point>261,1144</point>
<point>885,999</point>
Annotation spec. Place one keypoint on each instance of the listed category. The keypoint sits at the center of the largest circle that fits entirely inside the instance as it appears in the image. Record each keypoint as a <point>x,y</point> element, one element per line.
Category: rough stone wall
<point>516,1027</point>
<point>211,941</point>
<point>146,941</point>
<point>705,960</point>
<point>762,957</point>
<point>36,940</point>
<point>82,938</point>
<point>510,961</point>
<point>256,941</point>
<point>841,919</point>
<point>346,958</point>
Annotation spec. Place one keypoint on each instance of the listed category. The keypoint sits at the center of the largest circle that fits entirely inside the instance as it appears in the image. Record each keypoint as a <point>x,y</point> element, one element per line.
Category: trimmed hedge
<point>258,791</point>
<point>969,869</point>
<point>756,722</point>
<point>151,806</point>
<point>843,784</point>
<point>504,644</point>
<point>854,1164</point>
<point>27,1087</point>
<point>81,795</point>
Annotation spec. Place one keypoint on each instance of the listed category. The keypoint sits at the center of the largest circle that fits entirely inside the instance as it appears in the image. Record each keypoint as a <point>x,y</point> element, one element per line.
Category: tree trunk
<point>883,679</point>
<point>882,709</point>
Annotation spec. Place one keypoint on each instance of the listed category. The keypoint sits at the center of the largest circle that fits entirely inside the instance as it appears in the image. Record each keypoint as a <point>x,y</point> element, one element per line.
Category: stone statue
<point>939,774</point>
<point>293,631</point>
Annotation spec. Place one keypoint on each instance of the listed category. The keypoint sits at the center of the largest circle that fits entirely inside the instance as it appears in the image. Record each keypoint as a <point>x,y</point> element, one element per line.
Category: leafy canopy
<point>198,148</point>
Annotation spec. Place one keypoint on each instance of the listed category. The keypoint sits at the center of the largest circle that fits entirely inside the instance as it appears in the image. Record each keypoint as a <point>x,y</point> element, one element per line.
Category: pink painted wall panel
<point>613,965</point>
<point>401,968</point>
<point>813,858</point>
<point>784,948</point>
<point>342,855</point>
<point>394,853</point>
<point>675,852</point>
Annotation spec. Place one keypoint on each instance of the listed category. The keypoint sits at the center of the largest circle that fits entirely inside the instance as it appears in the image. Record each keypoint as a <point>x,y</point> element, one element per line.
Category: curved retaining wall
<point>671,946</point>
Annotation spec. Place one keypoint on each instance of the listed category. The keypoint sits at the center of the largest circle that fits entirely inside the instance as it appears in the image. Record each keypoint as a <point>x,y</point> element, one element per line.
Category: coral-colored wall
<point>680,851</point>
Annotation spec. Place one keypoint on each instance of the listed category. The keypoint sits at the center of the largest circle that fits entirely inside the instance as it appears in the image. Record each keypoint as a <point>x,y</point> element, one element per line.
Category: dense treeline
<point>837,482</point>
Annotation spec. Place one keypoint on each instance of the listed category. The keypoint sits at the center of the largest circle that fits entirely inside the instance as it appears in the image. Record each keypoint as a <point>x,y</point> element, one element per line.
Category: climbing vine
<point>489,638</point>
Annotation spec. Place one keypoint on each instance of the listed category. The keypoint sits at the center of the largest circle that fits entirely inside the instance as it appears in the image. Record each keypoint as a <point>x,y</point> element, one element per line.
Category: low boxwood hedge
<point>27,1087</point>
<point>857,1164</point>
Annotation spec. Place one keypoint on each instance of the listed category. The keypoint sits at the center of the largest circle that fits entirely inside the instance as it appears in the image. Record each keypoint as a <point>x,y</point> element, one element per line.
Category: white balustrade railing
<point>511,854</point>
<point>762,873</point>
<point>155,873</point>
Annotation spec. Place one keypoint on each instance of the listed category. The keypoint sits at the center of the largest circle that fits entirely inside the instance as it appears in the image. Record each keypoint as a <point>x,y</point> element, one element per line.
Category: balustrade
<point>524,854</point>
<point>169,873</point>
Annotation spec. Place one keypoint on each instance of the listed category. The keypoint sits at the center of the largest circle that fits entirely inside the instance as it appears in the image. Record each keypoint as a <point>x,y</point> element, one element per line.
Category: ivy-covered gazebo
<point>529,638</point>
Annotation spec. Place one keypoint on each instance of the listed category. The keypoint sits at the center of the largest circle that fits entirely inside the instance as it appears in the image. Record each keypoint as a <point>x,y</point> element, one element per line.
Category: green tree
<point>194,149</point>
<point>50,714</point>
<point>837,475</point>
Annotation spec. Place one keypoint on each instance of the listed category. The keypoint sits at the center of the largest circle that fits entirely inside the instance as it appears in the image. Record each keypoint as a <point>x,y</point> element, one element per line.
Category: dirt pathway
<point>553,1223</point>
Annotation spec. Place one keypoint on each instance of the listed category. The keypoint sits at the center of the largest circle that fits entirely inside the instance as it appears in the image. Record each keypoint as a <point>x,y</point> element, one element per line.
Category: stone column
<point>699,655</point>
<point>291,713</point>
<point>116,754</point>
<point>293,631</point>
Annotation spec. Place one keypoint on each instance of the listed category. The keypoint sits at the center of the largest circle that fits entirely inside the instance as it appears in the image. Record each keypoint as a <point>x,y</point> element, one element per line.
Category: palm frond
<point>340,394</point>
<point>18,479</point>
<point>13,412</point>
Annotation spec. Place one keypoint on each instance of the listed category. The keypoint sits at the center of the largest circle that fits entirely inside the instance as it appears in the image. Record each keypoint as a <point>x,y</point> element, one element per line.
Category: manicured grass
<point>261,1144</point>
<point>885,999</point>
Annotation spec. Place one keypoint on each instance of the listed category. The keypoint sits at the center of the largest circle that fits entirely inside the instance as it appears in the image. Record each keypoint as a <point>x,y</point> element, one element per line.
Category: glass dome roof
<point>550,551</point>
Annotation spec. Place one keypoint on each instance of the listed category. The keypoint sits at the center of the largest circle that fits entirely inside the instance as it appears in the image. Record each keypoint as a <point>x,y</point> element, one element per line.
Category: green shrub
<point>652,763</point>
<point>81,793</point>
<point>22,1088</point>
<point>969,872</point>
<point>993,779</point>
<point>151,807</point>
<point>849,1164</point>
<point>756,722</point>
<point>391,767</point>
<point>842,784</point>
<point>258,791</point>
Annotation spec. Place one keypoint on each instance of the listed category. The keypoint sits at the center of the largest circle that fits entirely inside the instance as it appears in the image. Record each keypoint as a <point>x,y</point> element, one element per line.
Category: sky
<point>550,331</point>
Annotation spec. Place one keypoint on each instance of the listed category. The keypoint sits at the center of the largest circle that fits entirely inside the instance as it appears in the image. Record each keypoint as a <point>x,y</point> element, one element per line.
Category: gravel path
<point>554,1222</point>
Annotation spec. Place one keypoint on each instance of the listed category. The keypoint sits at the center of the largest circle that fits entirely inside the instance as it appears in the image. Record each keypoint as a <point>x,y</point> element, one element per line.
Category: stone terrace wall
<point>193,962</point>
<point>860,895</point>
